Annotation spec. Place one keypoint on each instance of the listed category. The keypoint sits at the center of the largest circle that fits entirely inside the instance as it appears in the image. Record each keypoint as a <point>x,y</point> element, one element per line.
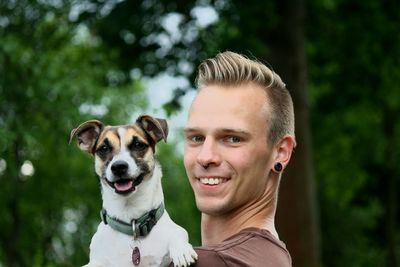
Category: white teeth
<point>211,181</point>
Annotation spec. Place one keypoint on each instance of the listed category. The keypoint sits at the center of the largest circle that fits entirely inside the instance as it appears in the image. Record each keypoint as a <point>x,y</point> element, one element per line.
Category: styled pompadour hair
<point>232,69</point>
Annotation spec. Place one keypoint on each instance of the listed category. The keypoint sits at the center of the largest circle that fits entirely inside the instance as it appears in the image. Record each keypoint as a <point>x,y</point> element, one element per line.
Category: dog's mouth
<point>125,186</point>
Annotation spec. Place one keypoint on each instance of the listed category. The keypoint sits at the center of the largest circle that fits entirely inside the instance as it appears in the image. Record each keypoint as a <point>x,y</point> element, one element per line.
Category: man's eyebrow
<point>219,130</point>
<point>189,130</point>
<point>234,131</point>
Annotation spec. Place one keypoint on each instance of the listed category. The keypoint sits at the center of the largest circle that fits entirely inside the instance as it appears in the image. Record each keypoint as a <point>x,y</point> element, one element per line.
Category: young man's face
<point>227,131</point>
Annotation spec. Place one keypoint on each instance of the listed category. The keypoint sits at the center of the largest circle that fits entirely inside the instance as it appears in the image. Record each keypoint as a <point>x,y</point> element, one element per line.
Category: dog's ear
<point>156,128</point>
<point>87,134</point>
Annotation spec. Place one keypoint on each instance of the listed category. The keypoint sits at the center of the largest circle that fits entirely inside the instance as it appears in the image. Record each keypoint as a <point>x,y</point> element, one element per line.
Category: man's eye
<point>193,139</point>
<point>196,138</point>
<point>233,139</point>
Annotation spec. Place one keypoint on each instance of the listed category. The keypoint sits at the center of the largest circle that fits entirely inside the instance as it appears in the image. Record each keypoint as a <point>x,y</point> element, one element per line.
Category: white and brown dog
<point>135,230</point>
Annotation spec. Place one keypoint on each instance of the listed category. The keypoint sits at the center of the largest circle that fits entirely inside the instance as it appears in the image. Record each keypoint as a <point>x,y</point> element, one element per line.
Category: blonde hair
<point>232,69</point>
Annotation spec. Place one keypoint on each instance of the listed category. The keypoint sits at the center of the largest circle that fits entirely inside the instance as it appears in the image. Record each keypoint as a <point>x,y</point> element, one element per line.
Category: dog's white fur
<point>166,241</point>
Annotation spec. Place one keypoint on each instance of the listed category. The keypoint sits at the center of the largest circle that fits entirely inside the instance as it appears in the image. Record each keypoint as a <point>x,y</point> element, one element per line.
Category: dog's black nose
<point>119,168</point>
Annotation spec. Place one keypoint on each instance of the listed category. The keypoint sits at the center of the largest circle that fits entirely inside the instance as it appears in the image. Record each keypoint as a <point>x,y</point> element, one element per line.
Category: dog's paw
<point>182,254</point>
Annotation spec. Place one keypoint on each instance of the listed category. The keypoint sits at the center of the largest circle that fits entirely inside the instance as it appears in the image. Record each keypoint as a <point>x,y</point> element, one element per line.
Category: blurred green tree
<point>354,54</point>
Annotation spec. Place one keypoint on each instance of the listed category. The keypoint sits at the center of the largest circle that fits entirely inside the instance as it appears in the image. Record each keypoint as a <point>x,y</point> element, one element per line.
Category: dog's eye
<point>137,145</point>
<point>103,150</point>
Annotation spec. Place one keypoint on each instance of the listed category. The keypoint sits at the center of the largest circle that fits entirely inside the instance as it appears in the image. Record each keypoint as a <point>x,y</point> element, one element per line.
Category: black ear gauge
<point>278,167</point>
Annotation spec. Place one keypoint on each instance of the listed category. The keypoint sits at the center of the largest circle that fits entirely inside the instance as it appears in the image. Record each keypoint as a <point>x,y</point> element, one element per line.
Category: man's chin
<point>212,208</point>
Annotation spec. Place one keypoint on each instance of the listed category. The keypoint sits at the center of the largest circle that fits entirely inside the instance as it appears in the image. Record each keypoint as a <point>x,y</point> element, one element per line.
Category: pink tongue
<point>123,186</point>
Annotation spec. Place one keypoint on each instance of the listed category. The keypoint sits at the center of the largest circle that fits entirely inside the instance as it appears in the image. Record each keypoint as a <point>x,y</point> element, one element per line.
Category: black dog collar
<point>139,227</point>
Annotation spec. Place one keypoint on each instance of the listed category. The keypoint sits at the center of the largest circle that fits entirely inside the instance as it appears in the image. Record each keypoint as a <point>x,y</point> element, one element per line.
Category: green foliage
<point>179,198</point>
<point>353,82</point>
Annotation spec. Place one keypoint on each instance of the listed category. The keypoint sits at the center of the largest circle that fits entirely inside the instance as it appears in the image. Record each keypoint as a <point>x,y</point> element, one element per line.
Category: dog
<point>136,230</point>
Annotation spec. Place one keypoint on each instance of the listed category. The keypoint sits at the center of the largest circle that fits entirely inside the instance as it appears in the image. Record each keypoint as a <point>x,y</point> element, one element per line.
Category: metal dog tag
<point>136,256</point>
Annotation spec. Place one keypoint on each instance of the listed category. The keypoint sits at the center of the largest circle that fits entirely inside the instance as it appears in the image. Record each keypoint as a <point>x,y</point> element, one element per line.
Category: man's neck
<point>215,229</point>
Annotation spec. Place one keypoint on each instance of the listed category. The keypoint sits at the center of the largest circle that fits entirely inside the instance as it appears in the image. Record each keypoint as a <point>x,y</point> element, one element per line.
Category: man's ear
<point>284,150</point>
<point>156,128</point>
<point>87,134</point>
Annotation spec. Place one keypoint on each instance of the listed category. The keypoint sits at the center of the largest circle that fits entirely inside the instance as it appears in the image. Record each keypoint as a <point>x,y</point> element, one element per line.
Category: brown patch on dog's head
<point>107,142</point>
<point>130,137</point>
<point>156,129</point>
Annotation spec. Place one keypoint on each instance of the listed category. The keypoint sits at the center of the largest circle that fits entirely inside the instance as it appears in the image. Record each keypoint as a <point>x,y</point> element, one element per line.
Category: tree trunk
<point>12,233</point>
<point>391,187</point>
<point>297,217</point>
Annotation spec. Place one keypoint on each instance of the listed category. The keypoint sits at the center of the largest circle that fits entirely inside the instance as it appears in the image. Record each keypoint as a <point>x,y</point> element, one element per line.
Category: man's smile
<point>212,181</point>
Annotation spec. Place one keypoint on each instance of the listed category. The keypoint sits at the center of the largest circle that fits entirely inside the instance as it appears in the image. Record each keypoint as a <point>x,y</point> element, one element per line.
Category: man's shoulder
<point>209,257</point>
<point>250,247</point>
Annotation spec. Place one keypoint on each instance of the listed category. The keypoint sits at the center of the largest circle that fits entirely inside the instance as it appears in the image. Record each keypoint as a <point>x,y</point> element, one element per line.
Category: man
<point>238,139</point>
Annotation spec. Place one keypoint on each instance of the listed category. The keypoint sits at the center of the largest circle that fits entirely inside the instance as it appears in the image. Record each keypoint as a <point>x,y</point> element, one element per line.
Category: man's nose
<point>209,154</point>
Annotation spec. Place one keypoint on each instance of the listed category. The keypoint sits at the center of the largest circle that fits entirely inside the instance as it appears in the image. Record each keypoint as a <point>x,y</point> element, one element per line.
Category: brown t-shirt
<point>251,247</point>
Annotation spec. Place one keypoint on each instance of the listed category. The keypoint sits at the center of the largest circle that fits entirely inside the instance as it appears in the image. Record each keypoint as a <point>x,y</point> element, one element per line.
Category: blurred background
<point>63,62</point>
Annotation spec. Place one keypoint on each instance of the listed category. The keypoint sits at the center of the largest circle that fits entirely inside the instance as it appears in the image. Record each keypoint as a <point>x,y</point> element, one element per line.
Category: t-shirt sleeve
<point>208,258</point>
